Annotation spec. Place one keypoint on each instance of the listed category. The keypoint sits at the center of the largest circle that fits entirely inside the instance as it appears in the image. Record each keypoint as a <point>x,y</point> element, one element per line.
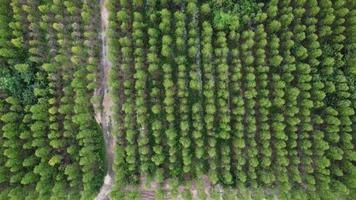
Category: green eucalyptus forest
<point>211,99</point>
<point>50,144</point>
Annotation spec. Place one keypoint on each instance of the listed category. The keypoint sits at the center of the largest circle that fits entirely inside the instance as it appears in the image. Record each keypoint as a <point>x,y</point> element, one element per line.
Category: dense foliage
<point>253,95</point>
<point>50,144</point>
<point>219,99</point>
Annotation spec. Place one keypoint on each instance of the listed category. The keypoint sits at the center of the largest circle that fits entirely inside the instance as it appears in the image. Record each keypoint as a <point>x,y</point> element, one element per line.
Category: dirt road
<point>103,113</point>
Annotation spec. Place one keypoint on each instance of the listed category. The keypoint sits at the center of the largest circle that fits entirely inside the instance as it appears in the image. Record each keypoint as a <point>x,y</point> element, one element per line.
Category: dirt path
<point>103,111</point>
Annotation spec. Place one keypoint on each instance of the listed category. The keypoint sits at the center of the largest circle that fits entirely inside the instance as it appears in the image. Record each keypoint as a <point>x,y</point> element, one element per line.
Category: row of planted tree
<point>50,144</point>
<point>260,100</point>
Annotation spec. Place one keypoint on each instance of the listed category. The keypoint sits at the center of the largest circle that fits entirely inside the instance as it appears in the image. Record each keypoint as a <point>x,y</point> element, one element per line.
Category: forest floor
<point>103,111</point>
